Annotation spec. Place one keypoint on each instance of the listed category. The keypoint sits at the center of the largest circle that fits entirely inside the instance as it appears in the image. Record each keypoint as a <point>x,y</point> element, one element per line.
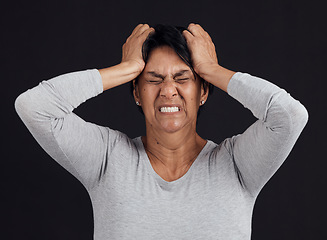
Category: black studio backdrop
<point>281,41</point>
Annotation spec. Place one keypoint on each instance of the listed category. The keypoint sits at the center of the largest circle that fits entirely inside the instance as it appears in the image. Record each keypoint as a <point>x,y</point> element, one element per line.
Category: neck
<point>171,154</point>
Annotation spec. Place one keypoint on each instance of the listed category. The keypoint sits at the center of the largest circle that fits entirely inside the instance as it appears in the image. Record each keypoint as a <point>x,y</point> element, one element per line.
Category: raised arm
<point>204,57</point>
<point>132,63</point>
<point>46,110</point>
<point>262,148</point>
<point>80,147</point>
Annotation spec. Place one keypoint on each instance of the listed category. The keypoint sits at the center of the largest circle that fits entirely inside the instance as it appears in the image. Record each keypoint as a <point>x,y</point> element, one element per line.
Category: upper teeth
<point>169,109</point>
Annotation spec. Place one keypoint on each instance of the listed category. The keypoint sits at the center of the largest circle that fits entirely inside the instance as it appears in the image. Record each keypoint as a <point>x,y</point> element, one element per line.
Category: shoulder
<point>224,148</point>
<point>218,156</point>
<point>119,141</point>
<point>220,162</point>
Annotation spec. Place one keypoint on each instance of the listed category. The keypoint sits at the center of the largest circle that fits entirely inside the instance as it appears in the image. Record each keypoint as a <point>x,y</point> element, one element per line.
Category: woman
<point>170,183</point>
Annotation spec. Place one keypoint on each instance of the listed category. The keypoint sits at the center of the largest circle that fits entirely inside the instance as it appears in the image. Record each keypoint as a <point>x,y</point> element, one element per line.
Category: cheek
<point>192,94</point>
<point>147,97</point>
<point>142,92</point>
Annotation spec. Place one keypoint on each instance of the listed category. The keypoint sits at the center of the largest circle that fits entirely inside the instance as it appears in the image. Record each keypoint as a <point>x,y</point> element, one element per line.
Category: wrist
<point>217,75</point>
<point>119,74</point>
<point>206,70</point>
<point>134,66</point>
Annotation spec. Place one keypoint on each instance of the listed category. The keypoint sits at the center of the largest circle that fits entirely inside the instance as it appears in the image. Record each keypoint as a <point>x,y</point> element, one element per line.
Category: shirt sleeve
<point>263,147</point>
<point>82,148</point>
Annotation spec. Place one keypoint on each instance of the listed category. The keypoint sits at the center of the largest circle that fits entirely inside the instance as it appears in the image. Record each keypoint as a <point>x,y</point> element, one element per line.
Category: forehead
<point>165,60</point>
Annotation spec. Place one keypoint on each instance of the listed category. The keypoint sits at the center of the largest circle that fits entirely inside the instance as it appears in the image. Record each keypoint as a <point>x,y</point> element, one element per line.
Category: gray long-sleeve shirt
<point>213,200</point>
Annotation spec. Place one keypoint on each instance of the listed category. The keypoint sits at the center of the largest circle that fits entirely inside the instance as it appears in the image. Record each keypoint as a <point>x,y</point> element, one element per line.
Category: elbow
<point>23,106</point>
<point>299,115</point>
<point>290,117</point>
<point>304,116</point>
<point>19,103</point>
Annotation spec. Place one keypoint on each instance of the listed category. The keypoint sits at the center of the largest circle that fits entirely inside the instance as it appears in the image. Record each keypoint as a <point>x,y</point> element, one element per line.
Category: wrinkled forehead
<point>165,61</point>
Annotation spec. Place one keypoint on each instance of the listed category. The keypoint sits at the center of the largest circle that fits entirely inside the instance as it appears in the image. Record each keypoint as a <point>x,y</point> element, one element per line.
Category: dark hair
<point>171,36</point>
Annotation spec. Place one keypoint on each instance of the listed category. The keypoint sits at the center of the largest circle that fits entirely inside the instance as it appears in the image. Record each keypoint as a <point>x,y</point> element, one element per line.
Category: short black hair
<point>171,36</point>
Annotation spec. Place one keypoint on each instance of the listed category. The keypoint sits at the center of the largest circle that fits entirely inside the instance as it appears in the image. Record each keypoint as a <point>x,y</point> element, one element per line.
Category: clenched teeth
<point>169,109</point>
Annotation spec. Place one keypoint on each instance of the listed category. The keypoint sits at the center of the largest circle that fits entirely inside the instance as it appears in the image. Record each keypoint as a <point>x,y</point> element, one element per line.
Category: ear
<point>136,91</point>
<point>204,92</point>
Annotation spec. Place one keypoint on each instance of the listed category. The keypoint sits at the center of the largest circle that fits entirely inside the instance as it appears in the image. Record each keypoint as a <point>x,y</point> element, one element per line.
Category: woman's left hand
<point>202,49</point>
<point>204,57</point>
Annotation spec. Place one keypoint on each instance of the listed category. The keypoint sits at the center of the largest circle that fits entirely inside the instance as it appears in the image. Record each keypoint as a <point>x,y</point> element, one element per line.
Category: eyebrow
<point>158,75</point>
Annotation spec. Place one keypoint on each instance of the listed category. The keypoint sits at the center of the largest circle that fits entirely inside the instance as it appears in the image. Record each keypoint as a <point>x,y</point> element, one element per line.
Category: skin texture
<point>132,63</point>
<point>171,140</point>
<point>168,82</point>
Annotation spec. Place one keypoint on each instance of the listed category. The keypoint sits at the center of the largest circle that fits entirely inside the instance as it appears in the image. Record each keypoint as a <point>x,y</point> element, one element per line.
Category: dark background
<point>283,42</point>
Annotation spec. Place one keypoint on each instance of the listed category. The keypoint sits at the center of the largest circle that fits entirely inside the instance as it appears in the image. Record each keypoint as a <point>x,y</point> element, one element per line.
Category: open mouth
<point>169,109</point>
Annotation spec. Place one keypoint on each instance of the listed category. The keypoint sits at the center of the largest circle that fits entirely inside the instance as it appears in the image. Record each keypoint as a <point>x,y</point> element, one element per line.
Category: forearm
<point>58,96</point>
<point>46,110</point>
<point>265,100</point>
<point>132,63</point>
<point>119,74</point>
<point>263,147</point>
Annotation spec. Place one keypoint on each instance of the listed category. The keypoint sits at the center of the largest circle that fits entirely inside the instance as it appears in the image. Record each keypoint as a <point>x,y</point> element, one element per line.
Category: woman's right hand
<point>132,63</point>
<point>132,48</point>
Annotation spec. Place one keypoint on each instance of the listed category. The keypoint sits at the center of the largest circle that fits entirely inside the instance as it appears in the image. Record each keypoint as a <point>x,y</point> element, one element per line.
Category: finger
<point>146,33</point>
<point>205,34</point>
<point>137,28</point>
<point>142,29</point>
<point>194,29</point>
<point>188,35</point>
<point>134,31</point>
<point>197,30</point>
<point>200,30</point>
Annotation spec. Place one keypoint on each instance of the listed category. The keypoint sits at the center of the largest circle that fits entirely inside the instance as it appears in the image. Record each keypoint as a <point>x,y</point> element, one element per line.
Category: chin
<point>172,127</point>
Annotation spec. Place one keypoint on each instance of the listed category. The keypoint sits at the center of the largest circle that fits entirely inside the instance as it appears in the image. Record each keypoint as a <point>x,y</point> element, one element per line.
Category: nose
<point>168,90</point>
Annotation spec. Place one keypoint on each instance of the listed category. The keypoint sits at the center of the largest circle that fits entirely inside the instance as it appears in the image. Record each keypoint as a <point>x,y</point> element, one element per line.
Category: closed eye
<point>182,80</point>
<point>154,81</point>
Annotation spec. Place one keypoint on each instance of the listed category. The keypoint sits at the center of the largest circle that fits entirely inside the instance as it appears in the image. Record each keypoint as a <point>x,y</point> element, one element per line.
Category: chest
<point>148,209</point>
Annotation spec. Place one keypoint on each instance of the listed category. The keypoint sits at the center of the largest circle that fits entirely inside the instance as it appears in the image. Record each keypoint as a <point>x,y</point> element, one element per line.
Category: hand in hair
<point>132,48</point>
<point>201,47</point>
<point>132,63</point>
<point>204,57</point>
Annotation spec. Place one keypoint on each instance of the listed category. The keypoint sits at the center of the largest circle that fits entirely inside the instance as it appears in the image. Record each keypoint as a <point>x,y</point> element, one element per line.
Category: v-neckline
<point>168,185</point>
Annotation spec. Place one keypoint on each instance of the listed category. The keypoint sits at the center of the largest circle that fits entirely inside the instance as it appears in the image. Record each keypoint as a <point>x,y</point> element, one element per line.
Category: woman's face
<point>168,93</point>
